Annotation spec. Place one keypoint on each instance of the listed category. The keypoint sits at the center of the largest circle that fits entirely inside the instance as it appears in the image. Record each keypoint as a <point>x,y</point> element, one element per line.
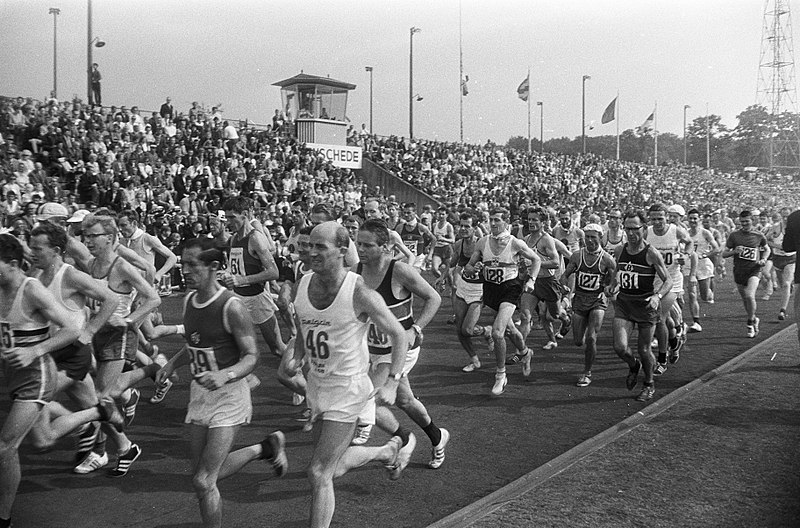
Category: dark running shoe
<point>277,446</point>
<point>648,391</point>
<point>633,375</point>
<point>124,461</point>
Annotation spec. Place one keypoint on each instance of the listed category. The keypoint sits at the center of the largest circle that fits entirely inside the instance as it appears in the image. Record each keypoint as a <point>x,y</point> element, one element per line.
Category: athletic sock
<point>433,432</point>
<point>673,342</point>
<point>662,358</point>
<point>403,434</point>
<point>5,523</point>
<point>696,319</point>
<point>266,449</point>
<point>751,321</point>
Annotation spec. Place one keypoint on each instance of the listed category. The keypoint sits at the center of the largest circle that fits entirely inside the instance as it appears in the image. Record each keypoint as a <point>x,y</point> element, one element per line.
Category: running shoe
<point>129,407</point>
<point>437,452</point>
<point>297,399</point>
<point>362,434</point>
<point>659,369</point>
<point>395,443</point>
<point>751,331</point>
<point>648,391</point>
<point>695,327</point>
<point>500,382</point>
<point>633,375</point>
<point>304,416</point>
<point>565,328</point>
<point>756,325</point>
<point>403,457</point>
<point>472,367</point>
<point>92,462</point>
<point>550,345</point>
<point>277,444</point>
<point>124,461</point>
<point>584,380</point>
<point>487,335</point>
<point>513,359</point>
<point>161,392</point>
<point>526,362</point>
<point>782,315</point>
<point>675,353</point>
<point>87,436</point>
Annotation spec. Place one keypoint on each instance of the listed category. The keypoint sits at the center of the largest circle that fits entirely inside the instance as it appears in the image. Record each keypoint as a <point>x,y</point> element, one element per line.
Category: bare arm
<point>654,259</point>
<point>137,261</point>
<point>146,293</point>
<point>81,282</point>
<point>165,252</point>
<point>241,327</point>
<point>258,247</point>
<point>413,282</point>
<point>397,244</point>
<point>523,249</point>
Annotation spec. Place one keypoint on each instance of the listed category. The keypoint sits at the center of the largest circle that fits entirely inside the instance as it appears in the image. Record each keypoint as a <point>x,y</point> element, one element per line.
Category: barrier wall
<point>374,175</point>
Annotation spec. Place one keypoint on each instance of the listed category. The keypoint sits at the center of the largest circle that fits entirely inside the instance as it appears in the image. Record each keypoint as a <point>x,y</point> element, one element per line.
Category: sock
<point>662,358</point>
<point>403,434</point>
<point>697,320</point>
<point>501,371</point>
<point>5,523</point>
<point>751,321</point>
<point>434,433</point>
<point>649,384</point>
<point>673,341</point>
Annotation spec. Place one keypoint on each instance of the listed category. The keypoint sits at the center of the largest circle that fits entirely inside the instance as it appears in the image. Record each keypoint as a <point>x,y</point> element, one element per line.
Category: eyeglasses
<point>633,228</point>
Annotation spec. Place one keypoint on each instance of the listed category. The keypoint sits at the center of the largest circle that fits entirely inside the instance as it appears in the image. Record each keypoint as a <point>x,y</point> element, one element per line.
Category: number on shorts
<point>317,344</point>
<point>6,335</point>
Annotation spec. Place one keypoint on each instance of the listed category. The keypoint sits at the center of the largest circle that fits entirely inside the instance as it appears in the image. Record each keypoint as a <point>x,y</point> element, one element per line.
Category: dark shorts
<point>742,274</point>
<point>781,261</point>
<point>112,344</point>
<point>74,360</point>
<point>635,309</point>
<point>547,289</point>
<point>35,383</point>
<point>506,292</point>
<point>445,252</point>
<point>583,304</point>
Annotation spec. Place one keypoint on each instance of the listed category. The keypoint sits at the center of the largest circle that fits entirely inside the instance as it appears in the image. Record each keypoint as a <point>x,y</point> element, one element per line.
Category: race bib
<point>588,281</point>
<point>411,245</point>
<point>376,338</point>
<point>668,256</point>
<point>317,349</point>
<point>495,275</point>
<point>236,262</point>
<point>202,360</point>
<point>748,253</point>
<point>6,336</point>
<point>628,280</point>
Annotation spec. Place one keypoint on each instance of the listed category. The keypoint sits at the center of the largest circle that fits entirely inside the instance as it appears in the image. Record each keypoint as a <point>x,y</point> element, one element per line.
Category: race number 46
<point>317,344</point>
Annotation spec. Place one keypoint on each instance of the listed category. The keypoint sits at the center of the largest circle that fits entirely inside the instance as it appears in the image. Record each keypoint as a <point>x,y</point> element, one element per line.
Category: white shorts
<point>705,269</point>
<point>261,306</point>
<point>469,292</point>
<point>341,399</point>
<point>227,406</point>
<point>412,356</point>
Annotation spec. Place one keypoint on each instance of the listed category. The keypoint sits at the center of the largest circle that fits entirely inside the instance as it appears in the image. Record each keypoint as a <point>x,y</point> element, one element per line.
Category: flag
<point>524,89</point>
<point>647,126</point>
<point>610,113</point>
<point>464,90</point>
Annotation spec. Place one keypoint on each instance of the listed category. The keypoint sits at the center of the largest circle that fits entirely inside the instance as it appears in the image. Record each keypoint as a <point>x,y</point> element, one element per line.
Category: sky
<point>668,53</point>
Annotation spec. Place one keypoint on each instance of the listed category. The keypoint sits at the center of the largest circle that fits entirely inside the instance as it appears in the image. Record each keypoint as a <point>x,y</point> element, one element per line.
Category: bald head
<point>333,233</point>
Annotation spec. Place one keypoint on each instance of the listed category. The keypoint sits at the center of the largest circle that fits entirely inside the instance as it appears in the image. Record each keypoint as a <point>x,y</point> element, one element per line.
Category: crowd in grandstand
<point>100,204</point>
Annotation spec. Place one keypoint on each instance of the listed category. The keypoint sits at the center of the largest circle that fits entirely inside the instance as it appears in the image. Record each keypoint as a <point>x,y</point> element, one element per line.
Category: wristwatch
<point>395,377</point>
<point>231,375</point>
<point>417,329</point>
<point>659,296</point>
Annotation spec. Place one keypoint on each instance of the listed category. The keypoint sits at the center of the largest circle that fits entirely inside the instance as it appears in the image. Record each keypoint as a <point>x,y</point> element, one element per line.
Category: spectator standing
<point>167,110</point>
<point>96,78</point>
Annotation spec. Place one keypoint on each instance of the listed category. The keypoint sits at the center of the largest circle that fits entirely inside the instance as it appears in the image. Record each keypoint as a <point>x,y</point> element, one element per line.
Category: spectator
<point>96,78</point>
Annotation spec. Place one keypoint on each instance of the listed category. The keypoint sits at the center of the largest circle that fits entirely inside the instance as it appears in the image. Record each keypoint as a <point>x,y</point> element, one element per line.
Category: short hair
<point>379,228</point>
<point>692,211</point>
<point>238,204</point>
<point>209,253</point>
<point>410,205</point>
<point>745,213</point>
<point>305,230</point>
<point>10,249</point>
<point>342,238</point>
<point>467,216</point>
<point>56,236</point>
<point>541,213</point>
<point>353,218</point>
<point>324,209</point>
<point>656,207</point>
<point>635,214</point>
<point>441,208</point>
<point>130,214</point>
<point>108,223</point>
<point>499,210</point>
<point>564,210</point>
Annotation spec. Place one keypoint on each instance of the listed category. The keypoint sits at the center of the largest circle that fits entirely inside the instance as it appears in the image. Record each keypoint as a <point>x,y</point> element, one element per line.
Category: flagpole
<point>529,110</point>
<point>655,135</point>
<point>617,109</point>
<point>460,78</point>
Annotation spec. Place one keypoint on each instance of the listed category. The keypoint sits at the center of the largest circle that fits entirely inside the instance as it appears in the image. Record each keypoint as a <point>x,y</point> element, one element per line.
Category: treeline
<point>746,145</point>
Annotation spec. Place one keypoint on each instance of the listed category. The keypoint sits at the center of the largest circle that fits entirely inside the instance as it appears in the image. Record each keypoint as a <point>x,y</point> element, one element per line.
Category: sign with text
<point>339,156</point>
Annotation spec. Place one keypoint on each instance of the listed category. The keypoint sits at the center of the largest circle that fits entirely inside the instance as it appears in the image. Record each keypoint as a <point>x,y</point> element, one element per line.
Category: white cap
<point>78,216</point>
<point>593,227</point>
<point>678,209</point>
<point>51,210</point>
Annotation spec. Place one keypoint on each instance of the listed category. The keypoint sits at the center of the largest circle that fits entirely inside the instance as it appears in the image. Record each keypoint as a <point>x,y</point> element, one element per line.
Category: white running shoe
<point>92,462</point>
<point>297,399</point>
<point>695,327</point>
<point>756,324</point>
<point>472,367</point>
<point>362,434</point>
<point>437,452</point>
<point>403,457</point>
<point>550,345</point>
<point>500,382</point>
<point>161,392</point>
<point>751,331</point>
